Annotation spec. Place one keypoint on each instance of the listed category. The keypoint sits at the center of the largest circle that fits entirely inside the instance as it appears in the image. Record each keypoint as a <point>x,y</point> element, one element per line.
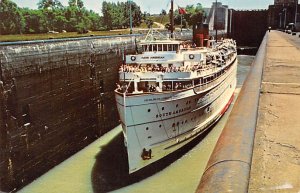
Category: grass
<point>27,37</point>
<point>164,19</point>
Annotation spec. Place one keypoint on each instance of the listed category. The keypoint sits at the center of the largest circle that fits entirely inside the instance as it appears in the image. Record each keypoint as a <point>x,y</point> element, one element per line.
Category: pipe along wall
<point>228,168</point>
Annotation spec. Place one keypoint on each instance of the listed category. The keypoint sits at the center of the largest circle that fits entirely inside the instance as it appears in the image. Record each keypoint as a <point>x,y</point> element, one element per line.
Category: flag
<point>181,11</point>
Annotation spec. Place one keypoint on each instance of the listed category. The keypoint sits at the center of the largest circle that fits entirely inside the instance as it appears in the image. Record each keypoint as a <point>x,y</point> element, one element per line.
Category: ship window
<point>182,122</point>
<point>149,137</point>
<point>165,47</point>
<point>175,47</point>
<point>163,108</point>
<point>149,110</point>
<point>155,48</point>
<point>147,128</point>
<point>146,47</point>
<point>173,125</point>
<point>159,47</point>
<point>176,105</point>
<point>170,47</point>
<point>150,48</point>
<point>159,125</point>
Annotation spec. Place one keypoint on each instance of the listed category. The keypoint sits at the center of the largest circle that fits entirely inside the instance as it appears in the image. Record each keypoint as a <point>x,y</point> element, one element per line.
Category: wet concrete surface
<point>276,154</point>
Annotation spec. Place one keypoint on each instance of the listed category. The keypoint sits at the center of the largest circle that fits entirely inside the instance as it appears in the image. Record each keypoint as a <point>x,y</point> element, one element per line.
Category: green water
<point>102,166</point>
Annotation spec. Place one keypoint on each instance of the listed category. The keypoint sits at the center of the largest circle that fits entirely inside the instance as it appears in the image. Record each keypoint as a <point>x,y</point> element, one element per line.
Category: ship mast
<point>215,19</point>
<point>172,18</point>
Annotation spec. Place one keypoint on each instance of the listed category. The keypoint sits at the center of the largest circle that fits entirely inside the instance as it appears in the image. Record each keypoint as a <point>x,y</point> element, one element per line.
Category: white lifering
<point>133,58</point>
<point>191,56</point>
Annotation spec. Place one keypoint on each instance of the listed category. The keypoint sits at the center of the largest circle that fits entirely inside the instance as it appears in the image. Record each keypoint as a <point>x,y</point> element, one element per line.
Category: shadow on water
<point>110,171</point>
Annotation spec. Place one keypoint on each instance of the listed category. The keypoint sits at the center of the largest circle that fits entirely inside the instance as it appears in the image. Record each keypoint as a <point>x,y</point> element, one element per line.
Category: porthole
<point>149,110</point>
<point>149,137</point>
<point>147,128</point>
<point>159,125</point>
<point>176,105</point>
<point>163,108</point>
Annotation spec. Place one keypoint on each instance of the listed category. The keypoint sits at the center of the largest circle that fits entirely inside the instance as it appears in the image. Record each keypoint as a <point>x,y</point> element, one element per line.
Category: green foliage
<point>76,3</point>
<point>51,15</point>
<point>36,21</point>
<point>116,15</point>
<point>194,15</point>
<point>49,4</point>
<point>12,21</point>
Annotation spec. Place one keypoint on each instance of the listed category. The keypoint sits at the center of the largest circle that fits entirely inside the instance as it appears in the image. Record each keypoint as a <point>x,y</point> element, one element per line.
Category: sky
<point>155,6</point>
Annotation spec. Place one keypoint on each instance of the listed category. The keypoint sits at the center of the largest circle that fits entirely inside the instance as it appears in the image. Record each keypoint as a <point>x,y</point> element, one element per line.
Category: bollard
<point>228,169</point>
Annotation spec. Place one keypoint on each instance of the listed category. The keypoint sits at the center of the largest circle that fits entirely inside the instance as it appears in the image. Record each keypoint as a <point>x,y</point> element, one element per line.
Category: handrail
<point>210,83</point>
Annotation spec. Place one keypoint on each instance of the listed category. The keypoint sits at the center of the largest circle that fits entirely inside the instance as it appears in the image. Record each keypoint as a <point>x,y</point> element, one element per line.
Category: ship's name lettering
<point>152,57</point>
<point>174,112</point>
<point>156,99</point>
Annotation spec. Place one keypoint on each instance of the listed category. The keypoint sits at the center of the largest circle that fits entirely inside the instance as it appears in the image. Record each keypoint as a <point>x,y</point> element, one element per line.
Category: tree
<point>36,21</point>
<point>194,14</point>
<point>76,3</point>
<point>107,14</point>
<point>116,15</point>
<point>53,4</point>
<point>12,21</point>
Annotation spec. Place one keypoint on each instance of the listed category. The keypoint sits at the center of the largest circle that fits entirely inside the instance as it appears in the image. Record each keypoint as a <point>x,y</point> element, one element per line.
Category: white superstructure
<point>173,93</point>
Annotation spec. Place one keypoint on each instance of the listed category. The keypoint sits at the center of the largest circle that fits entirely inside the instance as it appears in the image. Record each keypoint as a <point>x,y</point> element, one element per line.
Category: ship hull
<point>156,125</point>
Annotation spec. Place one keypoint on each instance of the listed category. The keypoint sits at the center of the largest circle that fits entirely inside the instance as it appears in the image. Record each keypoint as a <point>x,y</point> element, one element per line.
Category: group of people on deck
<point>155,68</point>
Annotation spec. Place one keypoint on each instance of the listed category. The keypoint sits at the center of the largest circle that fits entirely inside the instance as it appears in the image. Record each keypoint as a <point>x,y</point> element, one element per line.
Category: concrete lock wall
<point>50,102</point>
<point>56,97</point>
<point>228,169</point>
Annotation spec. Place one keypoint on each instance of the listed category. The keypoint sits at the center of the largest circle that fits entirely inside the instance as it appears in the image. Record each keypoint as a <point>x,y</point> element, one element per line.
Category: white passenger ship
<point>173,93</point>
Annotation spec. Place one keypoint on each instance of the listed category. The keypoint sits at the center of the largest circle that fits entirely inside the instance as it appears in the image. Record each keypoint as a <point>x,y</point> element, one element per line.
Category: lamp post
<point>296,10</point>
<point>130,16</point>
<point>284,22</point>
<point>280,14</point>
<point>216,20</point>
<point>50,13</point>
